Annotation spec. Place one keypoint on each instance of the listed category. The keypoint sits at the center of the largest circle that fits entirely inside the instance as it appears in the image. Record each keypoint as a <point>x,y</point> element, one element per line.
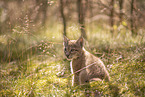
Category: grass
<point>30,67</point>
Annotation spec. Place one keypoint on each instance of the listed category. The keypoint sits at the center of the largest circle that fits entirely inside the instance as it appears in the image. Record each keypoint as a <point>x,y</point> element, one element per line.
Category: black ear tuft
<point>65,43</point>
<point>80,41</point>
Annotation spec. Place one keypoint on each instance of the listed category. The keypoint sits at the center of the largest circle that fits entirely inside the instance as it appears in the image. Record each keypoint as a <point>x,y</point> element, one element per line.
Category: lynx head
<point>73,48</point>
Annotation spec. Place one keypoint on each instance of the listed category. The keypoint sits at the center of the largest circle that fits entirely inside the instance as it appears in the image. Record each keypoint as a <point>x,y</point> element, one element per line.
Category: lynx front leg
<point>75,80</point>
<point>83,77</point>
<point>84,81</point>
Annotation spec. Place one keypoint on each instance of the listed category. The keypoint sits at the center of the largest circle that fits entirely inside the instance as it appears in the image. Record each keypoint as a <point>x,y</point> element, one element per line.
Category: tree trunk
<point>81,17</point>
<point>121,10</point>
<point>44,11</point>
<point>131,17</point>
<point>63,16</point>
<point>112,15</point>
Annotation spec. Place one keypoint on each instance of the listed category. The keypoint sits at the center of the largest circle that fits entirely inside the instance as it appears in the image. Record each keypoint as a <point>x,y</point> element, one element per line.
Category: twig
<point>81,69</point>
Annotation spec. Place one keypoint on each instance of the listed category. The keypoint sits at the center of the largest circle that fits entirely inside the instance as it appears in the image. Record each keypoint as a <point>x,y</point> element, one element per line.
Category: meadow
<point>31,64</point>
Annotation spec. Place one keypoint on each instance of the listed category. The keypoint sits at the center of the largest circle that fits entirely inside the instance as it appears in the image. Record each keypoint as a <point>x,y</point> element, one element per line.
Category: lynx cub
<point>85,66</point>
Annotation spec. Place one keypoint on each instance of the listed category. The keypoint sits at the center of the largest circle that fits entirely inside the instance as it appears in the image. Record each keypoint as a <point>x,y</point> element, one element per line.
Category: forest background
<point>31,45</point>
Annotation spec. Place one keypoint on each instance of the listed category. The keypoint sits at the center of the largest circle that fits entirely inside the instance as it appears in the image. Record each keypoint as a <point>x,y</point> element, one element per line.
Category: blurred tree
<point>121,2</point>
<point>0,19</point>
<point>63,16</point>
<point>3,16</point>
<point>112,15</point>
<point>42,10</point>
<point>132,17</point>
<point>81,17</point>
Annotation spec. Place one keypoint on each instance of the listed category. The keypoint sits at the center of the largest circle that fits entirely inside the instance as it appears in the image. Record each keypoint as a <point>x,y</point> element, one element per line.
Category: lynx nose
<point>67,55</point>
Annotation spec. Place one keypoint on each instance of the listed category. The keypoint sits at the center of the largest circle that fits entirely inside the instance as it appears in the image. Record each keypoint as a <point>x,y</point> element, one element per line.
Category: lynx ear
<point>65,43</point>
<point>80,41</point>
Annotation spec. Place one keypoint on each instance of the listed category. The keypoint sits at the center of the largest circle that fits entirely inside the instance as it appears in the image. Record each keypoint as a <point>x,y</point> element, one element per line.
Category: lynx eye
<point>72,50</point>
